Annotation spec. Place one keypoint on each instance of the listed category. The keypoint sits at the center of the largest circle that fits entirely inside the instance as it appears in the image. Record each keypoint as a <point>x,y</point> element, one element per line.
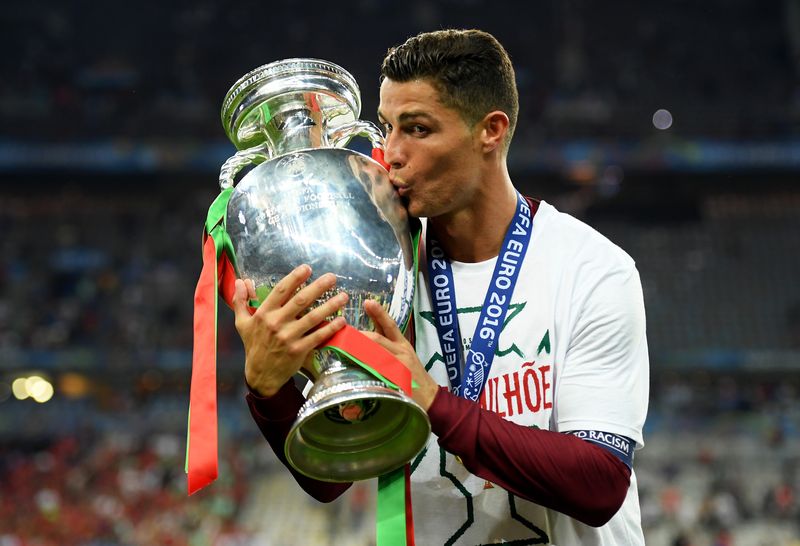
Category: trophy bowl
<point>307,199</point>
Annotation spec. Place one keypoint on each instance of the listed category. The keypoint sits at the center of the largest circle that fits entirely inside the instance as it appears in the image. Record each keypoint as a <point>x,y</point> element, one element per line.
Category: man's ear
<point>494,127</point>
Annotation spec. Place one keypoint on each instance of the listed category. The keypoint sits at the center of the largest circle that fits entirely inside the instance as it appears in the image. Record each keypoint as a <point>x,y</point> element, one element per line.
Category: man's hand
<point>389,336</point>
<point>282,334</point>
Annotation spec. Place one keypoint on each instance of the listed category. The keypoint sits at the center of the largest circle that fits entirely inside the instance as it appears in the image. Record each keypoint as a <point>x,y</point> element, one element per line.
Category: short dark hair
<point>469,68</point>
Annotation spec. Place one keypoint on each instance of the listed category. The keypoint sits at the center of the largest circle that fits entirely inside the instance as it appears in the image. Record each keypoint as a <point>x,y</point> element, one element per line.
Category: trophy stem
<point>301,127</point>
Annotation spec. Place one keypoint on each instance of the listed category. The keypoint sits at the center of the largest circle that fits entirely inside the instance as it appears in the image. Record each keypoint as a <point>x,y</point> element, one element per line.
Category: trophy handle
<point>240,160</point>
<point>343,133</point>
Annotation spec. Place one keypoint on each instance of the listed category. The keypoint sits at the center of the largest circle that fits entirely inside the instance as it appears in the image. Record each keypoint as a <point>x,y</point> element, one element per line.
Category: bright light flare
<point>662,119</point>
<point>19,389</point>
<point>35,387</point>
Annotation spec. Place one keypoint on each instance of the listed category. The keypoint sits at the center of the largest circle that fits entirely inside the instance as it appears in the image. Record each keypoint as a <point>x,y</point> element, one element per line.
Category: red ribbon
<point>409,511</point>
<point>202,451</point>
<point>363,349</point>
<point>217,276</point>
<point>377,155</point>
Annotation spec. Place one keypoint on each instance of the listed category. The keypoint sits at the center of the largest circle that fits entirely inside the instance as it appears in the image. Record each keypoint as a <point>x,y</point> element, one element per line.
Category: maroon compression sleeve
<point>274,417</point>
<point>555,470</point>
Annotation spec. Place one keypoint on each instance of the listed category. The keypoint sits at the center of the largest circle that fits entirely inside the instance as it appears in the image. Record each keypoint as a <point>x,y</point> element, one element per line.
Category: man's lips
<point>400,186</point>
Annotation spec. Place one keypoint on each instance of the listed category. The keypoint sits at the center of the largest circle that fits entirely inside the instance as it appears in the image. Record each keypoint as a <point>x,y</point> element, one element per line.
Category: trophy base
<point>356,431</point>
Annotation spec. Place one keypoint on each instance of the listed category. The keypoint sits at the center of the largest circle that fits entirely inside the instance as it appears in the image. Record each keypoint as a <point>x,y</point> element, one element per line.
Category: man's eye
<point>418,130</point>
<point>387,127</point>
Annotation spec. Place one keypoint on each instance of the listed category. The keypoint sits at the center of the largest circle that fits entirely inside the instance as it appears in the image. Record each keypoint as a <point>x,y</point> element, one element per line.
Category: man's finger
<point>310,294</point>
<point>321,313</point>
<point>239,301</point>
<point>251,289</point>
<point>384,323</point>
<point>318,336</point>
<point>286,288</point>
<point>378,338</point>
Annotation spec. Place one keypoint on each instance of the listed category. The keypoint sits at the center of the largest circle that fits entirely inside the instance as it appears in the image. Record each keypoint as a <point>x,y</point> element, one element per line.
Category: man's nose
<point>392,152</point>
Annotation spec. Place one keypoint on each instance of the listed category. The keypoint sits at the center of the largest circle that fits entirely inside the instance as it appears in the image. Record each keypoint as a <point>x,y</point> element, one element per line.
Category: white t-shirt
<point>572,355</point>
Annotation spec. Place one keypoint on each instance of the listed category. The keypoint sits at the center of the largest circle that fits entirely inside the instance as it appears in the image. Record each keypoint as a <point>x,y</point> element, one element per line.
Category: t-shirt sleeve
<point>603,383</point>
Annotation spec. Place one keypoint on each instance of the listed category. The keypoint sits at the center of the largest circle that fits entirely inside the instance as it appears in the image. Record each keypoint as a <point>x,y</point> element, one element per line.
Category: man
<point>535,421</point>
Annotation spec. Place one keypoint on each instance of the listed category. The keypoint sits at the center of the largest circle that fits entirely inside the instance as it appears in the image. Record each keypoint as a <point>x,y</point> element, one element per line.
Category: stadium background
<point>671,127</point>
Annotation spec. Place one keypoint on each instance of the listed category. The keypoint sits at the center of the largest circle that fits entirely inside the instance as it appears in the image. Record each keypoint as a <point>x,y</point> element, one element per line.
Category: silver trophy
<point>307,199</point>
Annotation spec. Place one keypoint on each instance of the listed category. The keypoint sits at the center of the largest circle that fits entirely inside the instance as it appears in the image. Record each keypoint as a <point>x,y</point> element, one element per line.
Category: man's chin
<point>406,204</point>
<point>414,209</point>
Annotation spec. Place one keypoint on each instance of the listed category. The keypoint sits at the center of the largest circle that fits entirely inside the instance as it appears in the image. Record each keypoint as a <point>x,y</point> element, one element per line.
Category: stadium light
<point>34,387</point>
<point>19,389</point>
<point>662,119</point>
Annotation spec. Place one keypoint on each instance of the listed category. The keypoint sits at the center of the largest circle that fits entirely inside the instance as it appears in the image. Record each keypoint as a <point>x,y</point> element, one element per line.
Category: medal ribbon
<point>495,305</point>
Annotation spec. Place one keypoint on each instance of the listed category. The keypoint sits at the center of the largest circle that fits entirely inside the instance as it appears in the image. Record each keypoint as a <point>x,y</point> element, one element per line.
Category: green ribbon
<point>216,225</point>
<point>390,520</point>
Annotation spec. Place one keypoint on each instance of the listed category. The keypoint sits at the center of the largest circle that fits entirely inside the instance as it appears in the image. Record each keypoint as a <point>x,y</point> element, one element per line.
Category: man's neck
<point>476,234</point>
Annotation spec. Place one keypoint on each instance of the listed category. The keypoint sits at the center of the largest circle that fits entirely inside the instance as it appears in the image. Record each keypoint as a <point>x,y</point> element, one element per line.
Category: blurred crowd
<point>721,281</point>
<point>725,69</point>
<point>721,468</point>
<point>106,275</point>
<point>113,272</point>
<point>721,465</point>
<point>116,489</point>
